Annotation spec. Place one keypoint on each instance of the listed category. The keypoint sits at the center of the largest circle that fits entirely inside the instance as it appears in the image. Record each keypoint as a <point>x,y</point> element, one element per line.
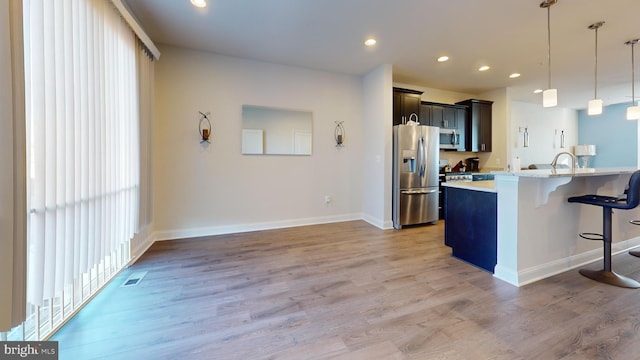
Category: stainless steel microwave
<point>449,139</point>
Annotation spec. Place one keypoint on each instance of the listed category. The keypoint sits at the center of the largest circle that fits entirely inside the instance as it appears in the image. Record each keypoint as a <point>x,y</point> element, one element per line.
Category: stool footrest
<point>592,236</point>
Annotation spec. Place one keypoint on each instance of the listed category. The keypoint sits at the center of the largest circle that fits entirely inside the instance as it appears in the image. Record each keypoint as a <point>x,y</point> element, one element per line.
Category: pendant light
<point>595,105</point>
<point>549,96</point>
<point>633,111</point>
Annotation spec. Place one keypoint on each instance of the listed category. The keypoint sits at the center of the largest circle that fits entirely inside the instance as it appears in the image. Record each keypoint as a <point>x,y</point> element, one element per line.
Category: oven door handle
<point>418,191</point>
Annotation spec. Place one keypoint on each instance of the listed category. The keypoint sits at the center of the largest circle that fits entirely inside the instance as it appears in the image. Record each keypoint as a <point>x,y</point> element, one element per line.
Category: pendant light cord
<point>549,43</point>
<point>633,76</point>
<point>595,91</point>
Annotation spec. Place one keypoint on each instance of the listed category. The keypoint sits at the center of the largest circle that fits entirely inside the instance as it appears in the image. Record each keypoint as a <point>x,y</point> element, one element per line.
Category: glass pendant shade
<point>595,107</point>
<point>633,112</point>
<point>550,97</point>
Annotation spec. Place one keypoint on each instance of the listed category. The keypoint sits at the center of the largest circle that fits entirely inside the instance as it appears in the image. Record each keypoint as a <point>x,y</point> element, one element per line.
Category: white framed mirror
<point>276,131</point>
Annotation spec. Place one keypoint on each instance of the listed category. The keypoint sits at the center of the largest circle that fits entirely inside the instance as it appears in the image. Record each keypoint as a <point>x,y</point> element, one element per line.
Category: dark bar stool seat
<point>608,203</point>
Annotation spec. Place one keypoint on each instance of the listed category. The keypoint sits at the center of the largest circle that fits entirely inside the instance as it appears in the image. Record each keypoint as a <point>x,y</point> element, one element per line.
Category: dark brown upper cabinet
<point>478,125</point>
<point>446,116</point>
<point>405,103</point>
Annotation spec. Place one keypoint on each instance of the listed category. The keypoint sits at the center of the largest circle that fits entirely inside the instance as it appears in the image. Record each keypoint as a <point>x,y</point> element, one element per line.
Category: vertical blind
<point>83,160</point>
<point>146,80</point>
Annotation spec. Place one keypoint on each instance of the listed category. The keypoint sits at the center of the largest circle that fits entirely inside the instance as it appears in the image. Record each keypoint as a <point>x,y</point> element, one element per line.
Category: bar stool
<point>635,253</point>
<point>608,203</point>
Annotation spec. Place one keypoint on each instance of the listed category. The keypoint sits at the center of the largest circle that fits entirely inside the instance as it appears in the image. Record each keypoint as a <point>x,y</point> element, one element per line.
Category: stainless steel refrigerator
<point>415,174</point>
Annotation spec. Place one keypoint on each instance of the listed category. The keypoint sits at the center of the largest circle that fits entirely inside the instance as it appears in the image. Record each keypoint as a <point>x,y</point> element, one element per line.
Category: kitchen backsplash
<point>455,156</point>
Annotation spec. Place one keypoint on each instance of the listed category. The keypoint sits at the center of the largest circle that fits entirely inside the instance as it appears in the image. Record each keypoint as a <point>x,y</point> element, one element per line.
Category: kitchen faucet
<point>574,160</point>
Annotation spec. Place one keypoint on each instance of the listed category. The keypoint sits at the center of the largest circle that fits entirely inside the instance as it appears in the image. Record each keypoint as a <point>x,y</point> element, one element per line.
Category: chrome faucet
<point>574,160</point>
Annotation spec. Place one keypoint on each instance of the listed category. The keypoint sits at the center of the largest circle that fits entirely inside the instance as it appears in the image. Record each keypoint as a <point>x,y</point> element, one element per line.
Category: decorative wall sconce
<point>525,138</point>
<point>204,127</point>
<point>338,133</point>
<point>585,152</point>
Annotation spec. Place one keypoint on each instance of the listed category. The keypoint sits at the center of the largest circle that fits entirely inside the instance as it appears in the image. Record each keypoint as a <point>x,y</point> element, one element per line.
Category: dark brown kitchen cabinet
<point>433,114</point>
<point>425,114</point>
<point>478,125</point>
<point>405,103</point>
<point>449,118</point>
<point>461,119</point>
<point>445,116</point>
<point>437,115</point>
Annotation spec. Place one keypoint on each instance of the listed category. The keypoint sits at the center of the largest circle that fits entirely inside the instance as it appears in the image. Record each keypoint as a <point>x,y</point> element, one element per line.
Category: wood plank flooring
<point>347,291</point>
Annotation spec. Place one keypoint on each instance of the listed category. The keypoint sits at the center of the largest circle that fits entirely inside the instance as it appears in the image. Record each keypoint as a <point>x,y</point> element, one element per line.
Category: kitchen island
<point>537,229</point>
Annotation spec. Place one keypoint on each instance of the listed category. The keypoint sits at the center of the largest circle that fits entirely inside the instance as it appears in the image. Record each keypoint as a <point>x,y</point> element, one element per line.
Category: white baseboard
<point>377,222</point>
<point>240,228</point>
<point>506,274</point>
<point>141,243</point>
<point>533,274</point>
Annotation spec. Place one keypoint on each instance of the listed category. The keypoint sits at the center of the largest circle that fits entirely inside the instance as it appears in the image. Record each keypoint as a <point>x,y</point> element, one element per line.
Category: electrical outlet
<point>327,199</point>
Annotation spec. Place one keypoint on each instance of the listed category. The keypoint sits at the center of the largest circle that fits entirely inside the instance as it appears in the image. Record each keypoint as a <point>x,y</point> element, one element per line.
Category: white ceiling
<point>508,35</point>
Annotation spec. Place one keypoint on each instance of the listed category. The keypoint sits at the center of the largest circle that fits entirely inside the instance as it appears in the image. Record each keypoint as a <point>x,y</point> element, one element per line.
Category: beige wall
<point>202,189</point>
<point>544,126</point>
<point>377,157</point>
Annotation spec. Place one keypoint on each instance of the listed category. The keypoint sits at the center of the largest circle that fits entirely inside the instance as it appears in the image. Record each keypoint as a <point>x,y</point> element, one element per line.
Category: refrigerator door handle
<point>423,156</point>
<point>418,191</point>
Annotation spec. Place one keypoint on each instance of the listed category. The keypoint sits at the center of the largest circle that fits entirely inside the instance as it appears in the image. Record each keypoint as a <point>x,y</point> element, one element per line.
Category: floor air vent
<point>134,279</point>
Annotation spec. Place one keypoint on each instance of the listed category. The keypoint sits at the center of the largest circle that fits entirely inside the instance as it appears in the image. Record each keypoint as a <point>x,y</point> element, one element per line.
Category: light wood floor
<point>347,291</point>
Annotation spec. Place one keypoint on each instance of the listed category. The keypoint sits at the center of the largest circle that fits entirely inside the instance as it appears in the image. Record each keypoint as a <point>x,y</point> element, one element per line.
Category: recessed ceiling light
<point>484,68</point>
<point>199,3</point>
<point>537,91</point>
<point>370,42</point>
<point>443,58</point>
<point>514,75</point>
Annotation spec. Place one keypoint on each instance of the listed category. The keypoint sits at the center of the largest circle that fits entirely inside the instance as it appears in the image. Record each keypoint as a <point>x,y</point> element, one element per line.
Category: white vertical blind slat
<point>70,149</point>
<point>34,69</point>
<point>145,82</point>
<point>60,145</point>
<point>49,141</point>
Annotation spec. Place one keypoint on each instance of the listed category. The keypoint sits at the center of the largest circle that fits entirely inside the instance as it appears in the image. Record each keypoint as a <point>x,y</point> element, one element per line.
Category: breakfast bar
<point>537,229</point>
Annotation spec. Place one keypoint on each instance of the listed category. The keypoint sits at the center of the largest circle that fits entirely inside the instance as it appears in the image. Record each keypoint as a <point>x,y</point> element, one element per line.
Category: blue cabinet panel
<point>470,227</point>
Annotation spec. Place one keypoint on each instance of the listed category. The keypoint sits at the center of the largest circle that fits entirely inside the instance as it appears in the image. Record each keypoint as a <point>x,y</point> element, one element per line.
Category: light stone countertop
<point>489,185</point>
<point>549,173</point>
<point>483,185</point>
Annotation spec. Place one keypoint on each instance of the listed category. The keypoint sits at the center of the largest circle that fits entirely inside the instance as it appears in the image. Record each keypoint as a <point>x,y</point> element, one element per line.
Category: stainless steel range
<point>449,177</point>
<point>458,176</point>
